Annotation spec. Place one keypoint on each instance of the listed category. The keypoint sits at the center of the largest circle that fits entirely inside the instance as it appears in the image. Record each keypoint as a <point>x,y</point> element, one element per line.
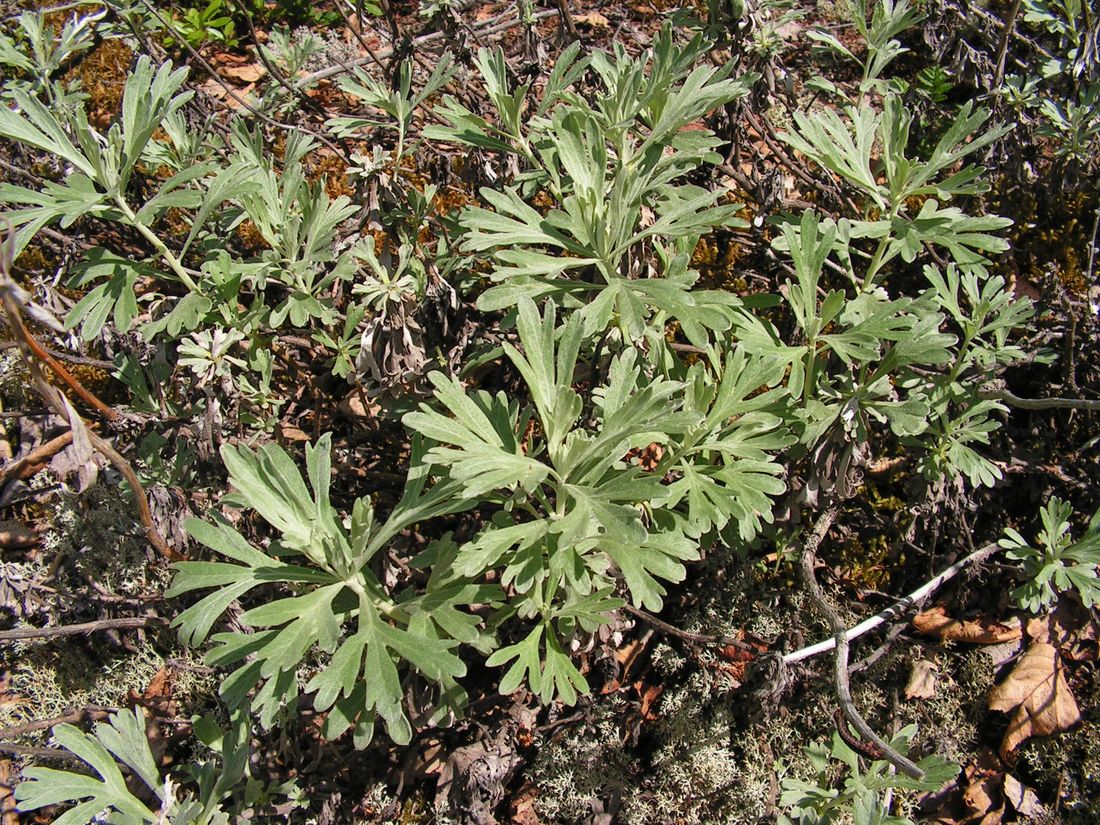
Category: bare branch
<point>896,609</point>
<point>840,634</point>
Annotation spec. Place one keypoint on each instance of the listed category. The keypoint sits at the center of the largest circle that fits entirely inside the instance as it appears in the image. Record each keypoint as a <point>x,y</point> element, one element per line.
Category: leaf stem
<point>169,257</point>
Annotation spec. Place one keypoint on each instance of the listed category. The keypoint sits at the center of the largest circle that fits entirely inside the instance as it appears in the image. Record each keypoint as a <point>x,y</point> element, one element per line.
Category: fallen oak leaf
<point>936,622</point>
<point>1037,690</point>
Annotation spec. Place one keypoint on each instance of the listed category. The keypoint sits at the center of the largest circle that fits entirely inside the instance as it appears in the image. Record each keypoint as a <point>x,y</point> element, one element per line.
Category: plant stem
<point>169,258</point>
<point>877,259</point>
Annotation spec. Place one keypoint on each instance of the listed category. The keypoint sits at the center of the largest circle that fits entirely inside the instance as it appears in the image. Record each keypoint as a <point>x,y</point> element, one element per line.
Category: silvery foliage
<point>222,780</point>
<point>616,461</point>
<point>917,364</point>
<point>1059,562</point>
<point>862,796</point>
<point>615,242</point>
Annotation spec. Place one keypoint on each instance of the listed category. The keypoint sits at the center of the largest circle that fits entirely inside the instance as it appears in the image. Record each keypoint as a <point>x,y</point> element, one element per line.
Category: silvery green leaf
<point>123,737</point>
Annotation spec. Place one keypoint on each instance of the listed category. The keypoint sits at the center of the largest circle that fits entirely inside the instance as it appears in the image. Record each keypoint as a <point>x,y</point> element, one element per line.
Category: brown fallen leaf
<point>522,806</point>
<point>1037,690</point>
<point>245,74</point>
<point>983,799</point>
<point>592,19</point>
<point>922,680</point>
<point>1023,799</point>
<point>353,406</point>
<point>936,622</point>
<point>15,535</point>
<point>215,89</point>
<point>291,434</point>
<point>229,59</point>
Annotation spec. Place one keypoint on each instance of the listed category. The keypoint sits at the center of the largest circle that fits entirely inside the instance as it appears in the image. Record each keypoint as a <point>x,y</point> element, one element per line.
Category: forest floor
<point>704,713</point>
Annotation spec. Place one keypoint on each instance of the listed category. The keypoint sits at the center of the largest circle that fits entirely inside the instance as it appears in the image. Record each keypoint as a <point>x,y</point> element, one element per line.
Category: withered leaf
<point>983,799</point>
<point>1023,799</point>
<point>15,535</point>
<point>594,19</point>
<point>1037,690</point>
<point>245,74</point>
<point>936,622</point>
<point>922,680</point>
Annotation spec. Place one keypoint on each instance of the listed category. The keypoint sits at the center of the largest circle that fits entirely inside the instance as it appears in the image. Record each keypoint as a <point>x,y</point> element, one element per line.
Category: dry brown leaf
<point>1023,799</point>
<point>936,622</point>
<point>522,806</point>
<point>291,434</point>
<point>229,59</point>
<point>592,19</point>
<point>15,534</point>
<point>353,406</point>
<point>215,89</point>
<point>245,74</point>
<point>922,680</point>
<point>983,799</point>
<point>160,685</point>
<point>1038,691</point>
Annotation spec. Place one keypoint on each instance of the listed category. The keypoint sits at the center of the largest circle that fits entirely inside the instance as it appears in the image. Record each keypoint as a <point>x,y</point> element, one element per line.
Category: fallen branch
<point>11,297</point>
<point>1001,394</point>
<point>39,455</point>
<point>39,753</point>
<point>687,636</point>
<point>881,748</point>
<point>70,718</point>
<point>23,633</point>
<point>897,608</point>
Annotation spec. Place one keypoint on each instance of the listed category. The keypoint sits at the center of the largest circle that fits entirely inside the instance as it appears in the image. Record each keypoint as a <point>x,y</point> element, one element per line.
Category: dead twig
<point>1012,400</point>
<point>39,455</point>
<point>71,718</point>
<point>39,753</point>
<point>71,357</point>
<point>12,298</point>
<point>1002,47</point>
<point>848,711</point>
<point>897,608</point>
<point>687,636</point>
<point>490,27</point>
<point>272,69</point>
<point>86,395</point>
<point>567,19</point>
<point>23,633</point>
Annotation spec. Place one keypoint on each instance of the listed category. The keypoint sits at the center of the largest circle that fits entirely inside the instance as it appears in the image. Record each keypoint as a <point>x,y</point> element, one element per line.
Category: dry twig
<point>840,635</point>
<point>10,296</point>
<point>71,718</point>
<point>897,608</point>
<point>687,636</point>
<point>40,454</point>
<point>23,633</point>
